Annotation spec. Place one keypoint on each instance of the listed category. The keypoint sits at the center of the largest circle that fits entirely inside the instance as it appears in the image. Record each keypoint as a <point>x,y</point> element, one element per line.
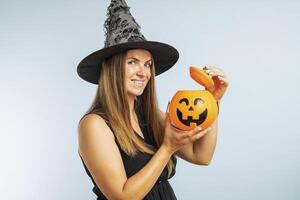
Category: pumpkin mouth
<point>190,119</point>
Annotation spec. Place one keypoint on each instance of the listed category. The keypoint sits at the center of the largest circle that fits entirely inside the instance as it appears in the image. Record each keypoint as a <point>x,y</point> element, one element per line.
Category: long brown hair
<point>111,98</point>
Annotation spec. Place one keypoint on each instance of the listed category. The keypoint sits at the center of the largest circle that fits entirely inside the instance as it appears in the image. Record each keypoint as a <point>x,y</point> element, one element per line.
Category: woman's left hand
<point>220,80</point>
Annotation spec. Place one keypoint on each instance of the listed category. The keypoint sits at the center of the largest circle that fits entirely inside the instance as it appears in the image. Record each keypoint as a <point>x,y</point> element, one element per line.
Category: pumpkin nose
<point>191,109</point>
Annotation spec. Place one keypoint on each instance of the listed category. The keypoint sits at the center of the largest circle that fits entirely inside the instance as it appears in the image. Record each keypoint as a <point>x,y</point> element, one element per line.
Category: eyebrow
<point>138,59</point>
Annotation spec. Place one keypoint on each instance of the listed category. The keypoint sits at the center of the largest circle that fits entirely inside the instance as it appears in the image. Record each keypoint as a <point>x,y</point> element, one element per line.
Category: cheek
<point>148,72</point>
<point>129,71</point>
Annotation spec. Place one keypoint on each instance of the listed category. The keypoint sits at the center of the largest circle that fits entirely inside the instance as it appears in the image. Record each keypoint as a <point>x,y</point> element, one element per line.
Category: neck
<point>131,105</point>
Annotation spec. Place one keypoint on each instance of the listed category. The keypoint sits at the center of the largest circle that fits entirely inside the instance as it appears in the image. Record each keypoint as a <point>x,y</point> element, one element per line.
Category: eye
<point>198,100</point>
<point>149,65</point>
<point>184,100</point>
<point>132,62</point>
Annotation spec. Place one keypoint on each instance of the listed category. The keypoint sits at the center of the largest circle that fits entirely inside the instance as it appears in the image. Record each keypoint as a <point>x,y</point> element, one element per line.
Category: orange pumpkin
<point>191,108</point>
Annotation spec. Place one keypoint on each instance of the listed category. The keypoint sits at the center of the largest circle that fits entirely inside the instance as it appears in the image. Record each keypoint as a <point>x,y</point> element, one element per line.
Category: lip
<point>138,80</point>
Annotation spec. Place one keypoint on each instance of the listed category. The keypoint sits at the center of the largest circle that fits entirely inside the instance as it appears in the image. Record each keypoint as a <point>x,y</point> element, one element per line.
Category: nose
<point>141,71</point>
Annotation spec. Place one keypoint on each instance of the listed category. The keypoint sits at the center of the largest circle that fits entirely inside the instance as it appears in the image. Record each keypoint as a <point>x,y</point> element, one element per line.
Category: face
<point>138,65</point>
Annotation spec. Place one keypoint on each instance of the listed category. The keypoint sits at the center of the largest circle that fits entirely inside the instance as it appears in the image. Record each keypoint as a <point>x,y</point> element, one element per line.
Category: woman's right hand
<point>175,138</point>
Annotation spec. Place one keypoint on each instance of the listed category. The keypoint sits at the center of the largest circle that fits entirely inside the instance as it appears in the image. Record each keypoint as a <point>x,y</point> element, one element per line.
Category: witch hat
<point>123,33</point>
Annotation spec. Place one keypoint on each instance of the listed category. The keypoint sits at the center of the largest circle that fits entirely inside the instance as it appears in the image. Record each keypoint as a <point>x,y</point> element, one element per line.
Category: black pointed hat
<point>123,33</point>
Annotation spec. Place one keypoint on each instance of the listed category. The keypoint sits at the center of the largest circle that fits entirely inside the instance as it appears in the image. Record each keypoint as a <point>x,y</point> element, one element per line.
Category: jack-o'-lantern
<point>191,108</point>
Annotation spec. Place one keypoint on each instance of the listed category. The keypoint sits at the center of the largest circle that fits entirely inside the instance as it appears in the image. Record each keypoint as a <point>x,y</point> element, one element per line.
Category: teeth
<point>194,115</point>
<point>184,116</point>
<point>193,124</point>
<point>138,83</point>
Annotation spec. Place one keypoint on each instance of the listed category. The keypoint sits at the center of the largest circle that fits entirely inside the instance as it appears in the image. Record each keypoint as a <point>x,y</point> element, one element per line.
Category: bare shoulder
<point>93,130</point>
<point>93,124</point>
<point>91,120</point>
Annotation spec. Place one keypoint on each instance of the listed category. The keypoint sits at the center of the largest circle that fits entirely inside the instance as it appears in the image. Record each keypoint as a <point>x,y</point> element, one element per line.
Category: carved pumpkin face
<point>191,108</point>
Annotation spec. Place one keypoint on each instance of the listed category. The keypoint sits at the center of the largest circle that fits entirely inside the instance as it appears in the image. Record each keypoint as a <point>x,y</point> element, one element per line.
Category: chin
<point>135,93</point>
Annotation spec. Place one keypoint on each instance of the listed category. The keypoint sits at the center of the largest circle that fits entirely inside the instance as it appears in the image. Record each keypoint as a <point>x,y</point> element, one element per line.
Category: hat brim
<point>164,55</point>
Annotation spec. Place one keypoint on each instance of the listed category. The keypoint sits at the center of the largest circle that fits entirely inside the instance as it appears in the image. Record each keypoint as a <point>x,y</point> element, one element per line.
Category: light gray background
<point>256,43</point>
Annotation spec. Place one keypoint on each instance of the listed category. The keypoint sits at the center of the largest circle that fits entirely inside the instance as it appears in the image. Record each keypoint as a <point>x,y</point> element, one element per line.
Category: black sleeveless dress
<point>162,190</point>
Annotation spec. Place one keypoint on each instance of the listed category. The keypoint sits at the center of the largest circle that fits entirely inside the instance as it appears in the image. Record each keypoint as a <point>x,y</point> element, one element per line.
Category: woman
<point>127,145</point>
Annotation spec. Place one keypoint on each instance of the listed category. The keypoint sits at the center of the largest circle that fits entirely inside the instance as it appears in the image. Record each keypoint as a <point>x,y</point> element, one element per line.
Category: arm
<point>102,157</point>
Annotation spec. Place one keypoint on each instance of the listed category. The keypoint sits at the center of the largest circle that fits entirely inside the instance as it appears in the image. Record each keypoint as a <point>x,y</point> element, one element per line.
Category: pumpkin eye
<point>184,100</point>
<point>198,100</point>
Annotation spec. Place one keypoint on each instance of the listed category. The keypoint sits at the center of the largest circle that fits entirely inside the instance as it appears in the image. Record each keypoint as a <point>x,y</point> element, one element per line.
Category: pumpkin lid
<point>201,77</point>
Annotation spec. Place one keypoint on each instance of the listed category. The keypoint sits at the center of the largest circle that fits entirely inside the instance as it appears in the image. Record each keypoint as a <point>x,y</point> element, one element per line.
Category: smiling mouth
<point>138,83</point>
<point>190,119</point>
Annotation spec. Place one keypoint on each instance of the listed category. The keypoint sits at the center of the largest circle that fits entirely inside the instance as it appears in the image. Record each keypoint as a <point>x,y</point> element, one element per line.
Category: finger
<point>214,69</point>
<point>205,67</point>
<point>200,134</point>
<point>175,128</point>
<point>215,73</point>
<point>208,67</point>
<point>191,133</point>
<point>223,80</point>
